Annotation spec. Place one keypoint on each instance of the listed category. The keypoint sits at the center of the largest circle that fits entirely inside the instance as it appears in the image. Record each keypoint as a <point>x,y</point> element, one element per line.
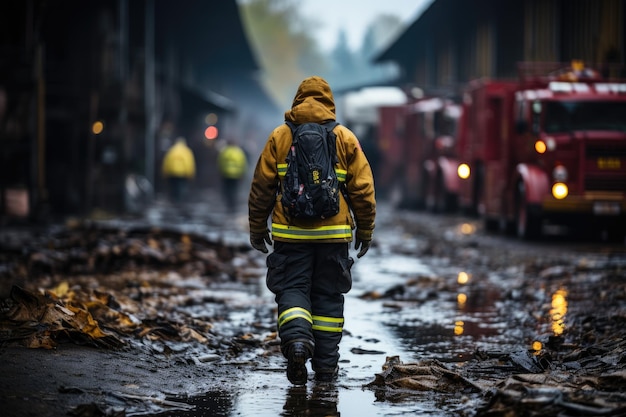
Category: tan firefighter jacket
<point>313,103</point>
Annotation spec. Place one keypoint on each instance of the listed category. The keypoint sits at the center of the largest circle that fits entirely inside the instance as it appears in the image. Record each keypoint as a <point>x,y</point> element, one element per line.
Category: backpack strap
<point>332,147</point>
<point>332,142</point>
<point>293,129</point>
<point>330,125</point>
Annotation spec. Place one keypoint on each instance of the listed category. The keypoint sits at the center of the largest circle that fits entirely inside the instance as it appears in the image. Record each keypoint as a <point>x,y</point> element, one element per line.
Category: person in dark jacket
<point>309,268</point>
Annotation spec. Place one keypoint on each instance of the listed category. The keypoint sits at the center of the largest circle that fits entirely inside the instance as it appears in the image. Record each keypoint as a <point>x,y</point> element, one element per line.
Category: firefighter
<point>309,268</point>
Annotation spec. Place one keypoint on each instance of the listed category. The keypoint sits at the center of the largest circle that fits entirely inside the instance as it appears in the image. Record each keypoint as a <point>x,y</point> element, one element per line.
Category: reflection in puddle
<point>557,313</point>
<point>321,401</point>
<point>453,325</point>
<point>211,404</point>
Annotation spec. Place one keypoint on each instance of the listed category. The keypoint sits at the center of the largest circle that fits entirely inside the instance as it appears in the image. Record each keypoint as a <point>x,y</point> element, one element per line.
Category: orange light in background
<point>458,328</point>
<point>560,190</point>
<point>211,132</point>
<point>463,278</point>
<point>467,229</point>
<point>540,146</point>
<point>97,127</point>
<point>463,171</point>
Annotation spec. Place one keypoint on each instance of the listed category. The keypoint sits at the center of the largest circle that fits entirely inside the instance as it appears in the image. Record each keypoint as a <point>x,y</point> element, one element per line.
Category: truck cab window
<point>584,115</point>
<point>536,117</point>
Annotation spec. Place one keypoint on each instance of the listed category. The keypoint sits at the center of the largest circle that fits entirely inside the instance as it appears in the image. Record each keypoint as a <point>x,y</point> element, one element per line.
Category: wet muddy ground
<point>169,315</point>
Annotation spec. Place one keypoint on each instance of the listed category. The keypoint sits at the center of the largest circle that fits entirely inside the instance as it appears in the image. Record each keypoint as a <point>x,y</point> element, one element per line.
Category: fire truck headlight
<point>463,171</point>
<point>559,190</point>
<point>540,146</point>
<point>559,173</point>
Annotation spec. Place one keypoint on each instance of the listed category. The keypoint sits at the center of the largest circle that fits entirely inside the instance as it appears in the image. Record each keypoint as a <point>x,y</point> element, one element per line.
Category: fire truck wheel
<point>617,233</point>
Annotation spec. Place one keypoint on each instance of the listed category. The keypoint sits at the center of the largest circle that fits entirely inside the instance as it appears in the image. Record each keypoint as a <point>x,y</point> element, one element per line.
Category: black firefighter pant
<point>309,280</point>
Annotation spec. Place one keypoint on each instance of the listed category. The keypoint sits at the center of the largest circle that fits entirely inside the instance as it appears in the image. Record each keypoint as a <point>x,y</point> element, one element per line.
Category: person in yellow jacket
<point>309,268</point>
<point>233,163</point>
<point>179,168</point>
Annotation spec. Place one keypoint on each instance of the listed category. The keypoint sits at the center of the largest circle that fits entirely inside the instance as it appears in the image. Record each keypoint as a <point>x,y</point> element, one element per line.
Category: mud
<point>516,328</point>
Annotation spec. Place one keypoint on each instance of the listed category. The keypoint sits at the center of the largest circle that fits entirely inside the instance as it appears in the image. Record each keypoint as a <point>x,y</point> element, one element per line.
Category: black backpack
<point>310,188</point>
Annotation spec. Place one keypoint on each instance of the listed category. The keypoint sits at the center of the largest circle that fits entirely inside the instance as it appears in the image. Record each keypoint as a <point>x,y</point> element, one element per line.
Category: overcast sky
<point>354,16</point>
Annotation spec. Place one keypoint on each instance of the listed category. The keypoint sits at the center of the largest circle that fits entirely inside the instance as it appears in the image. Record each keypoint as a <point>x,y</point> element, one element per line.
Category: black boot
<point>326,375</point>
<point>296,365</point>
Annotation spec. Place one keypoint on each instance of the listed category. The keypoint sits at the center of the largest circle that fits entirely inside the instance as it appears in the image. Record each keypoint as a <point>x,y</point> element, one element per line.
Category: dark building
<point>455,41</point>
<point>93,91</point>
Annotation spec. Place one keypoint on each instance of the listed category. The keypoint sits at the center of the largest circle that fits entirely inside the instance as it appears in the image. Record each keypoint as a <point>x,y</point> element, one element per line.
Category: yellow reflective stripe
<point>294,313</point>
<point>323,232</point>
<point>328,324</point>
<point>282,169</point>
<point>341,173</point>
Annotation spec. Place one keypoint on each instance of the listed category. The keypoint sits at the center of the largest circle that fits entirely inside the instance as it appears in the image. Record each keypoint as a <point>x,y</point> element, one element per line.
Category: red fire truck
<point>430,155</point>
<point>417,144</point>
<point>549,148</point>
<point>373,114</point>
<point>391,147</point>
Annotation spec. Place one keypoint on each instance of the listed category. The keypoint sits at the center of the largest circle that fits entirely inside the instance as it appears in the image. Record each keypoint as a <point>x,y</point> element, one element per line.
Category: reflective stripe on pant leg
<point>331,280</point>
<point>328,324</point>
<point>290,267</point>
<point>294,313</point>
<point>326,353</point>
<point>328,332</point>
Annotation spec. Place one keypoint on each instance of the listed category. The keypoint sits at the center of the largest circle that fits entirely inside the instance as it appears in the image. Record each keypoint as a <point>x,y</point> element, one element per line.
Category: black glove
<point>257,240</point>
<point>363,244</point>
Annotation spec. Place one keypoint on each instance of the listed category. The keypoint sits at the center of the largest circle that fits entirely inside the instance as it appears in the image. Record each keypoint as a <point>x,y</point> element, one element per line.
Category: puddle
<point>449,330</point>
<point>445,315</point>
<point>448,327</point>
<point>372,332</point>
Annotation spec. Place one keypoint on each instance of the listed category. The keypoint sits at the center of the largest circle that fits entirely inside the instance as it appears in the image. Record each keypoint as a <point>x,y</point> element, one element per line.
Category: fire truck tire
<point>528,223</point>
<point>616,234</point>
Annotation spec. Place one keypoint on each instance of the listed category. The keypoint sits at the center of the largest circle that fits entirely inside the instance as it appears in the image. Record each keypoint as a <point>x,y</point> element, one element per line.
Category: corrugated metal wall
<point>541,28</point>
<point>455,41</point>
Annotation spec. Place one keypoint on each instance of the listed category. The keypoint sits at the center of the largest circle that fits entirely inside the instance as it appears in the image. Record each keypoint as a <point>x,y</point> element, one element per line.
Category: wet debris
<point>563,320</point>
<point>158,290</point>
<point>129,404</point>
<point>95,410</point>
<point>90,248</point>
<point>36,320</point>
<point>360,351</point>
<point>427,375</point>
<point>545,393</point>
<point>548,395</point>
